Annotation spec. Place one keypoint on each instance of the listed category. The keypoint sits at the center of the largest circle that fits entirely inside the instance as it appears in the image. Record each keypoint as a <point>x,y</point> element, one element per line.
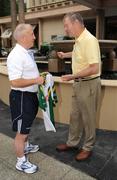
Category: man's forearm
<point>20,83</point>
<point>91,70</point>
<point>68,55</point>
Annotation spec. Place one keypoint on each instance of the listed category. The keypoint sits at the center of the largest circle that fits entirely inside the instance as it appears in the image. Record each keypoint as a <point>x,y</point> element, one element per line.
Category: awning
<point>7,33</point>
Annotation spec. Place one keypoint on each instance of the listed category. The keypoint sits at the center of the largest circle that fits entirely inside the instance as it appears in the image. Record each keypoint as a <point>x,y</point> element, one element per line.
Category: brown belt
<point>83,79</point>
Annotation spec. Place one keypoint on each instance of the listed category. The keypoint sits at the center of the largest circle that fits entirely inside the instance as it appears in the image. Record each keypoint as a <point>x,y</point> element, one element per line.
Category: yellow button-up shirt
<point>86,51</point>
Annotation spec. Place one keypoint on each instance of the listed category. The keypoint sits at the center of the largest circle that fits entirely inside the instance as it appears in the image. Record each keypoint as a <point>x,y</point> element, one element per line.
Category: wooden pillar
<point>21,13</point>
<point>13,18</point>
<point>40,37</point>
<point>100,24</point>
<point>2,42</point>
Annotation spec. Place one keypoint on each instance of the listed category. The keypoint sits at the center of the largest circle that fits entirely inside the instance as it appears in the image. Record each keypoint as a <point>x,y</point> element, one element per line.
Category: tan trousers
<point>85,100</point>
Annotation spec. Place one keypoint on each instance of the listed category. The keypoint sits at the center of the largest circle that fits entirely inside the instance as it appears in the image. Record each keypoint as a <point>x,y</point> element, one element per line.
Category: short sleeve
<point>15,67</point>
<point>92,51</point>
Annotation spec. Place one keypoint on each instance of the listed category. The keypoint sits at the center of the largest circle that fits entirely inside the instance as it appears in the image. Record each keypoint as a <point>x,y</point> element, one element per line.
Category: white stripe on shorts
<point>19,123</point>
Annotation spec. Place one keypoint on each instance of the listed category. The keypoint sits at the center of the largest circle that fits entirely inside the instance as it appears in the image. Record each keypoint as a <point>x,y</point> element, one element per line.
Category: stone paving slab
<point>49,168</point>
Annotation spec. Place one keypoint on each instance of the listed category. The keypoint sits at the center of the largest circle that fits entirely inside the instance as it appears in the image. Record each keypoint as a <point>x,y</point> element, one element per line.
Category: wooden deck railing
<point>48,4</point>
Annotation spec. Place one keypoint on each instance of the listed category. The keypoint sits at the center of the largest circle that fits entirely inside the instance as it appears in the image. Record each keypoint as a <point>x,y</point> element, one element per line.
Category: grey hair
<point>20,30</point>
<point>74,17</point>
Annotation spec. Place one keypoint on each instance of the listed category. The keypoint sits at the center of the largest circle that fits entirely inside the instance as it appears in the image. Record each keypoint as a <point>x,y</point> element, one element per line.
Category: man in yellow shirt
<point>86,87</point>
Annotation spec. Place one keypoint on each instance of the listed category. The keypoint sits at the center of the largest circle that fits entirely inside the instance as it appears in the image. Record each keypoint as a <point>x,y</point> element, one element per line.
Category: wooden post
<point>13,18</point>
<point>2,42</point>
<point>100,24</point>
<point>21,11</point>
<point>40,39</point>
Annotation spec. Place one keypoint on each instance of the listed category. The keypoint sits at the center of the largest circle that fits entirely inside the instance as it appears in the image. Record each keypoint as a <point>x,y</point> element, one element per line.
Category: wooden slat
<point>98,3</point>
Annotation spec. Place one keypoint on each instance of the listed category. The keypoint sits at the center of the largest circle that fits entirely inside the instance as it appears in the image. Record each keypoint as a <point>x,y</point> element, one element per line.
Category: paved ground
<point>54,165</point>
<point>49,168</point>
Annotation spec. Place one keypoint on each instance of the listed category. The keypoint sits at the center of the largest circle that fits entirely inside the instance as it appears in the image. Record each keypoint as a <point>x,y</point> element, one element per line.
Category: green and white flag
<point>48,100</point>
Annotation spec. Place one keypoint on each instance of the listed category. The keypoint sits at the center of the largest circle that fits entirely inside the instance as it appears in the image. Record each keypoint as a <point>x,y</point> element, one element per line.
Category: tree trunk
<point>21,11</point>
<point>13,17</point>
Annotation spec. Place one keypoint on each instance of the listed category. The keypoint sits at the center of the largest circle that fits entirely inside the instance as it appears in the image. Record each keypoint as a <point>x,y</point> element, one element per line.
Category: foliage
<point>4,8</point>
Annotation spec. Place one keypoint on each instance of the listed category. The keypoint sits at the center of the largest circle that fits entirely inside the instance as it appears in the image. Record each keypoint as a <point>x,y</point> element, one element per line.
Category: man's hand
<point>61,55</point>
<point>67,77</point>
<point>40,80</point>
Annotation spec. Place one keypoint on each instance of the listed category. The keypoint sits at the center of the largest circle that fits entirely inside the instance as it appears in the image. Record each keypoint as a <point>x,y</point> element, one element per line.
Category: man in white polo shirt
<point>24,79</point>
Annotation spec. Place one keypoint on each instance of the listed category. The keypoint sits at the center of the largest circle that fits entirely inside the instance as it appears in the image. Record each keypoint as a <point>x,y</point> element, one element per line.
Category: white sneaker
<point>31,149</point>
<point>26,167</point>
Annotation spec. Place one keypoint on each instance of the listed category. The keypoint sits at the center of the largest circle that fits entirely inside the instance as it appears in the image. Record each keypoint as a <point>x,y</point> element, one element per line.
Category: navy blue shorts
<point>24,107</point>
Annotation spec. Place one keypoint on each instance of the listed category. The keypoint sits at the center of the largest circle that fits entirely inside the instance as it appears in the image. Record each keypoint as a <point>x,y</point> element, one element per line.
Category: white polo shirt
<point>21,64</point>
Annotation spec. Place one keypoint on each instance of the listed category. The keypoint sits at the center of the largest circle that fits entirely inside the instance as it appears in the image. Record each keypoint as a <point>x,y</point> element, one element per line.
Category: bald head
<point>21,30</point>
<point>24,35</point>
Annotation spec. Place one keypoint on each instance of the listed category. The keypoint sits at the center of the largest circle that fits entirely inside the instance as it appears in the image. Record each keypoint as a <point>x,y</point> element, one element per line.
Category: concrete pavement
<point>49,168</point>
<point>102,165</point>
